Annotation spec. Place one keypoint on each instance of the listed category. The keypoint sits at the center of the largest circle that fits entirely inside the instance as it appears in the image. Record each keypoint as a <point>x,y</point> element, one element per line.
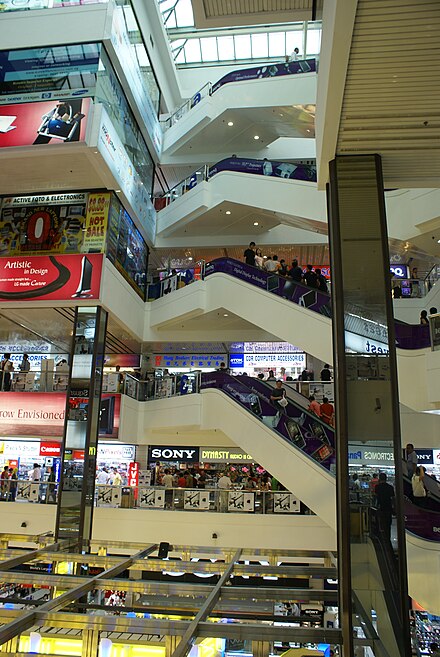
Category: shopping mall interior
<point>216,441</point>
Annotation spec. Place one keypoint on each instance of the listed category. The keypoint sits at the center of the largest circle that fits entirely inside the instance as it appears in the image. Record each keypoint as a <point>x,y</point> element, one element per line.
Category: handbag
<point>283,402</point>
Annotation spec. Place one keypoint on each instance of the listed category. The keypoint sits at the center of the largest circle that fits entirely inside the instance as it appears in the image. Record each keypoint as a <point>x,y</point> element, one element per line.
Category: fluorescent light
<point>230,123</point>
<point>256,137</point>
<point>228,212</point>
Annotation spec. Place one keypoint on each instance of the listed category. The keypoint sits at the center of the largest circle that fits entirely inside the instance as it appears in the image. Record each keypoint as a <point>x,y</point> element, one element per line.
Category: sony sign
<point>166,453</point>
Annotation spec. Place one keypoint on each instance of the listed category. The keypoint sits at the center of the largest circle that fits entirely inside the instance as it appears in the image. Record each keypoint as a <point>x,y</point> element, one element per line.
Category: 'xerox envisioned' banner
<point>57,277</point>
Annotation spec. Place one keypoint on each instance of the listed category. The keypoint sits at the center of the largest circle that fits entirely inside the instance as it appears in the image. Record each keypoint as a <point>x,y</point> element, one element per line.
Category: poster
<point>73,222</point>
<point>58,278</point>
<point>49,69</point>
<point>271,168</point>
<point>267,71</point>
<point>53,122</point>
<point>240,501</point>
<point>96,223</point>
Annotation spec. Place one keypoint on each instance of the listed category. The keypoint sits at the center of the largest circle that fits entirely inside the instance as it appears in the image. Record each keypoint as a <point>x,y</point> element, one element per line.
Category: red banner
<point>50,122</point>
<point>60,278</point>
<point>50,449</point>
<point>133,474</point>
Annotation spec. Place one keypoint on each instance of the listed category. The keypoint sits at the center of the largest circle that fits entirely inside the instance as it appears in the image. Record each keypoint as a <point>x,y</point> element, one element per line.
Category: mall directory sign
<point>55,278</point>
<point>71,222</point>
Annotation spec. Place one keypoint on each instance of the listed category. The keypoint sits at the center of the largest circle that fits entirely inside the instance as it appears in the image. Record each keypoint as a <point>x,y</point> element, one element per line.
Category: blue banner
<point>267,71</point>
<point>270,168</point>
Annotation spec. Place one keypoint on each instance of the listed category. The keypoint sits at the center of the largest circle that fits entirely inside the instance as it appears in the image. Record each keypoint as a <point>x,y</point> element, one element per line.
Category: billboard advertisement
<point>271,168</point>
<point>53,122</point>
<point>73,222</point>
<point>267,71</point>
<point>113,151</point>
<point>42,414</point>
<point>42,72</point>
<point>58,278</point>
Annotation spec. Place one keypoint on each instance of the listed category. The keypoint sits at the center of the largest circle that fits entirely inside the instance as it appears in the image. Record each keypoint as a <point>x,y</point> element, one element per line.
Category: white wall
<point>196,528</point>
<point>408,208</point>
<point>39,518</point>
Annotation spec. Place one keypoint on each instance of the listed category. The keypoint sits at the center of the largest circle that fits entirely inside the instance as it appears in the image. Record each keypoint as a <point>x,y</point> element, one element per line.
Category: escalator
<point>299,450</point>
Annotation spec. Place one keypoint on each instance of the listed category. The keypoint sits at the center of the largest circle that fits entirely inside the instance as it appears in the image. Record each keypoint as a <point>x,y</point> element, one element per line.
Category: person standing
<point>283,268</point>
<point>326,374</point>
<point>310,277</point>
<point>6,368</point>
<point>259,260</point>
<point>424,321</point>
<point>35,473</point>
<point>13,480</point>
<point>321,281</point>
<point>278,396</point>
<point>25,365</point>
<point>385,504</point>
<point>4,483</point>
<point>314,406</point>
<point>410,460</point>
<point>296,272</point>
<point>51,487</point>
<point>272,265</point>
<point>418,486</point>
<point>249,255</point>
<point>224,484</point>
<point>327,411</point>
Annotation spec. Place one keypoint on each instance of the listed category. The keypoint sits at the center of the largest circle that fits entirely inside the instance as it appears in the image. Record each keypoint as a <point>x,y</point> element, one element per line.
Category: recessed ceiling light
<point>281,114</point>
<point>118,191</point>
<point>308,130</point>
<point>183,347</point>
<point>228,212</point>
<point>225,315</point>
<point>255,223</point>
<point>438,241</point>
<point>256,137</point>
<point>190,258</point>
<point>230,123</point>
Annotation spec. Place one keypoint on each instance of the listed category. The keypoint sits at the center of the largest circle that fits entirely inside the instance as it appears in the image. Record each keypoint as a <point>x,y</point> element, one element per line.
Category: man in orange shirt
<point>314,406</point>
<point>327,411</point>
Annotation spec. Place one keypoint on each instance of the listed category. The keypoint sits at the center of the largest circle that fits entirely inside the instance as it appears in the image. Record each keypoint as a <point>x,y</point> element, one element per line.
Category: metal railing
<point>23,490</point>
<point>40,381</point>
<point>200,499</point>
<point>206,90</point>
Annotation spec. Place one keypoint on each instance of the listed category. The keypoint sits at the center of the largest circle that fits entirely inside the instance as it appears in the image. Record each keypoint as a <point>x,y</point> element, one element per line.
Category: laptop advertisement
<point>58,278</point>
<point>53,122</point>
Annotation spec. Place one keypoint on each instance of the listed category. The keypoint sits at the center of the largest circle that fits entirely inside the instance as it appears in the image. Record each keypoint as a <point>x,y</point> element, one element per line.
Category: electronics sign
<point>58,278</point>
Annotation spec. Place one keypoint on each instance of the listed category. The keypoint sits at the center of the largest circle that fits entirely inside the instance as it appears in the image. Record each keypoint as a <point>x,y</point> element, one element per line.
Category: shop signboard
<point>116,452</point>
<point>285,503</point>
<point>54,278</point>
<point>42,414</point>
<point>189,360</point>
<point>268,360</point>
<point>114,153</point>
<point>240,501</point>
<point>74,222</point>
<point>196,500</point>
<point>399,271</point>
<point>50,449</point>
<point>168,453</point>
<point>133,474</point>
<point>425,456</point>
<point>264,348</point>
<point>435,456</point>
<point>151,498</point>
<point>224,455</point>
<point>372,456</point>
<point>29,124</point>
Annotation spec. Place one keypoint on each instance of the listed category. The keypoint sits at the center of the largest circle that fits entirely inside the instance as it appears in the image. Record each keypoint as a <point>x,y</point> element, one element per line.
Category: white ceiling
<point>391,102</point>
<point>227,13</point>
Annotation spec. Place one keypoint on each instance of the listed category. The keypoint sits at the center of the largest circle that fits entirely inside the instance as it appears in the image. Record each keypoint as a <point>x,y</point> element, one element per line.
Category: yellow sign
<point>96,223</point>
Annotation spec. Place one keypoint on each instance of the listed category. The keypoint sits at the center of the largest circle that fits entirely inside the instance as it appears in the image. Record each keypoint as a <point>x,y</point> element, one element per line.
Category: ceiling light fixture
<point>225,315</point>
<point>190,258</point>
<point>228,212</point>
<point>256,137</point>
<point>230,123</point>
<point>256,223</point>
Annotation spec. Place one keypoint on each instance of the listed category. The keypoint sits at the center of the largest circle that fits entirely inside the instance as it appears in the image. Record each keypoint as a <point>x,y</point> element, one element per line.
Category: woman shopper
<point>259,260</point>
<point>418,486</point>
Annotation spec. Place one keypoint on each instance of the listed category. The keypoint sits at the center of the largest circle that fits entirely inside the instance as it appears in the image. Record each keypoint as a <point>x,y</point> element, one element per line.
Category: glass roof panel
<point>313,42</point>
<point>226,48</point>
<point>294,39</point>
<point>277,44</point>
<point>243,46</point>
<point>209,49</point>
<point>192,50</point>
<point>184,13</point>
<point>260,47</point>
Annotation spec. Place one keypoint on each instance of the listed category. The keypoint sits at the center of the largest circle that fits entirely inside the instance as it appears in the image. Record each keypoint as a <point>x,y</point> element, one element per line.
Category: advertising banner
<point>74,222</point>
<point>265,168</point>
<point>53,122</point>
<point>42,414</point>
<point>240,501</point>
<point>150,498</point>
<point>58,278</point>
<point>121,166</point>
<point>54,68</point>
<point>268,71</point>
<point>285,503</point>
<point>195,500</point>
<point>189,360</point>
<point>133,474</point>
<point>125,50</point>
<point>267,360</point>
<point>173,454</point>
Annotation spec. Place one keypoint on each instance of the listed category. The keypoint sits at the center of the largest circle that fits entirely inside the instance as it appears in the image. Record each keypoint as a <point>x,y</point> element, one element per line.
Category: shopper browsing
<point>6,369</point>
<point>25,365</point>
<point>418,486</point>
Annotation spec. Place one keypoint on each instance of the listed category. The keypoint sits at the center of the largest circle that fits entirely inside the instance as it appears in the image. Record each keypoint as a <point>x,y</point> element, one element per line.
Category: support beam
<point>187,640</point>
